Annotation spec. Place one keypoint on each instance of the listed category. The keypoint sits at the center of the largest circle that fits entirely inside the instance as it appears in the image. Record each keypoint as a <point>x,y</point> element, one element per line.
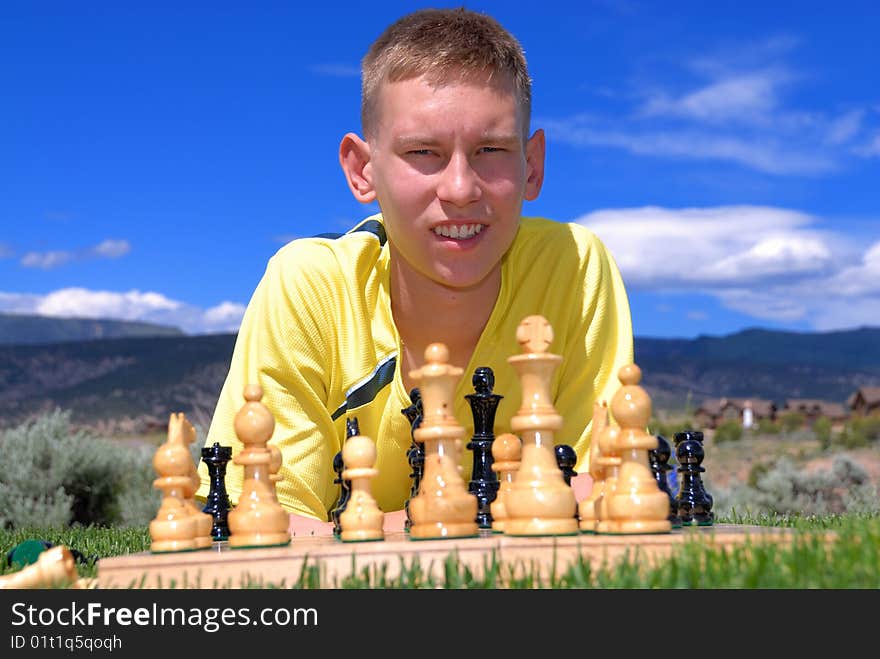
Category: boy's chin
<point>463,281</point>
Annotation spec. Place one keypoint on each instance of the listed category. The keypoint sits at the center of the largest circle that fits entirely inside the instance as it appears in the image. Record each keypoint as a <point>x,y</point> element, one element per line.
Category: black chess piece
<point>659,459</point>
<point>415,456</point>
<point>484,482</point>
<point>694,503</point>
<point>217,505</point>
<point>351,429</point>
<point>566,459</point>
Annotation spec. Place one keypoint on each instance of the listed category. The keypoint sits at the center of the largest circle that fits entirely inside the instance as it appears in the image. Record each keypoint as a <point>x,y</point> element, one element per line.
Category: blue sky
<point>153,156</point>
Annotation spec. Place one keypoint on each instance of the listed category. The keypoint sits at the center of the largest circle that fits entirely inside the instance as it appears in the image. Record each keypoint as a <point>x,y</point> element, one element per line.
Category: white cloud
<point>112,249</point>
<point>721,246</point>
<point>769,263</point>
<point>108,249</point>
<point>871,148</point>
<point>748,97</point>
<point>762,153</point>
<point>226,316</point>
<point>132,305</point>
<point>46,260</point>
<point>734,108</point>
<point>845,127</point>
<point>137,305</point>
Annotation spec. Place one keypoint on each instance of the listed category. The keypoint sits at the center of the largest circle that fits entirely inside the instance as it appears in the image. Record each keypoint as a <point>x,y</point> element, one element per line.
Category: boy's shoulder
<point>333,251</point>
<point>538,234</point>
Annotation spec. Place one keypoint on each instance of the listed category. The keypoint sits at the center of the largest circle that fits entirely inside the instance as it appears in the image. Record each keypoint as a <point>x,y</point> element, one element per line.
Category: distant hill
<point>759,363</point>
<point>136,382</point>
<point>23,329</point>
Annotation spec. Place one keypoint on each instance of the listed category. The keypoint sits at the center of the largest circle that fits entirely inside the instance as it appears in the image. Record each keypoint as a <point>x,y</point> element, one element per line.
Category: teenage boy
<point>337,324</point>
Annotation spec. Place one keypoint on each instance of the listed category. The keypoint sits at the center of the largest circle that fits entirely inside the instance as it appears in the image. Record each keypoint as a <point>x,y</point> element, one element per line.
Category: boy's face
<point>450,168</point>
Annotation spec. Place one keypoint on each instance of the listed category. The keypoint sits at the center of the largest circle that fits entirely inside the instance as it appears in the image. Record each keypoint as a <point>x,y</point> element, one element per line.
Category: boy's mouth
<point>462,231</point>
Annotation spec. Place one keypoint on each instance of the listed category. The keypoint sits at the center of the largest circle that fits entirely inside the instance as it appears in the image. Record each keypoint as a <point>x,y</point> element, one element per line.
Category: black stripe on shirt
<point>366,392</point>
<point>370,226</point>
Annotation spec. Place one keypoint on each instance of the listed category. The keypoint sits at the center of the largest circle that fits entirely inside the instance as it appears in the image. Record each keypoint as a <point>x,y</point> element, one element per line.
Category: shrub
<point>728,431</point>
<point>792,421</point>
<point>56,476</point>
<point>852,437</point>
<point>781,489</point>
<point>670,427</point>
<point>868,427</point>
<point>822,431</point>
<point>768,427</point>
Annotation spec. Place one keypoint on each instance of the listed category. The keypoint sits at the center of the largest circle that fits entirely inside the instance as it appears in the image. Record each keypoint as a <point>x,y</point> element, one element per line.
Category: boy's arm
<point>599,346</point>
<point>283,346</point>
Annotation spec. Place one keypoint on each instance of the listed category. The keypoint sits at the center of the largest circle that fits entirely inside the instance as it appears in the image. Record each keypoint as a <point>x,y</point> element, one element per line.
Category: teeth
<point>459,232</point>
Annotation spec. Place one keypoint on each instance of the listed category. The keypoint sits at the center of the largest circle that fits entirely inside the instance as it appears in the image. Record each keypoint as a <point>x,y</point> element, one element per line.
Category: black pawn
<point>484,481</point>
<point>415,456</point>
<point>351,429</point>
<point>659,459</point>
<point>694,503</point>
<point>217,506</point>
<point>566,459</point>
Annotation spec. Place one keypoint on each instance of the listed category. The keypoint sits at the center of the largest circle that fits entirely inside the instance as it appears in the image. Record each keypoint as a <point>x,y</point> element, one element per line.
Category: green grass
<point>850,561</point>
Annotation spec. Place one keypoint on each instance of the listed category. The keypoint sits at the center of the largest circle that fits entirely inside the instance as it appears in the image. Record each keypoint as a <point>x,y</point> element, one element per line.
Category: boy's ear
<point>354,157</point>
<point>535,148</point>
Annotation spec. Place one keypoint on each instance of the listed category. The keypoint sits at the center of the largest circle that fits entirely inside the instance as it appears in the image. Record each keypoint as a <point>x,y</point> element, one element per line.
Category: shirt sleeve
<point>283,345</point>
<point>600,343</point>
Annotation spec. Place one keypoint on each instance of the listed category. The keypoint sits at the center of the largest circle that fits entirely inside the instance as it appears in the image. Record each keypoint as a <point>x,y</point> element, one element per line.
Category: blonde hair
<point>444,44</point>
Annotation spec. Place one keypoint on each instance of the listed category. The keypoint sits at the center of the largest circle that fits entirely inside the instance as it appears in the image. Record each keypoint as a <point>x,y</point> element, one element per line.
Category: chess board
<point>517,556</point>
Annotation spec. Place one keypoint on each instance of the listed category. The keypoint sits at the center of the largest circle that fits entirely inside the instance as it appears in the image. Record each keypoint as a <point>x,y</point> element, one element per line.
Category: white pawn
<point>362,519</point>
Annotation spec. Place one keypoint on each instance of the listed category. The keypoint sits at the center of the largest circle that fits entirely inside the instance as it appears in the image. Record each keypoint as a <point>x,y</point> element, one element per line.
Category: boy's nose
<point>459,183</point>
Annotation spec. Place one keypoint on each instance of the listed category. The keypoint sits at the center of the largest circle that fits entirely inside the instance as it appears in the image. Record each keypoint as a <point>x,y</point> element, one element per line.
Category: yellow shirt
<point>319,338</point>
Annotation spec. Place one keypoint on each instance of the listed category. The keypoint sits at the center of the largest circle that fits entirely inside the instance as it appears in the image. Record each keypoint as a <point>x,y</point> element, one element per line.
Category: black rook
<point>217,502</point>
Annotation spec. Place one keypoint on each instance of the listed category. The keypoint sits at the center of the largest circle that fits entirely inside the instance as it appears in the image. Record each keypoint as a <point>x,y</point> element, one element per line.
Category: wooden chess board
<point>224,567</point>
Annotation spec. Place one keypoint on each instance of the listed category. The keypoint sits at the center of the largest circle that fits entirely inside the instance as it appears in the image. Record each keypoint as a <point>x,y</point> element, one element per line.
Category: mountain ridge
<point>35,329</point>
<point>138,380</point>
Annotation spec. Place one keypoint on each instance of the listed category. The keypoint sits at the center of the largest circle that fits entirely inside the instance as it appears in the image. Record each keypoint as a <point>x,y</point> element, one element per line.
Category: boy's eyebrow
<point>426,140</point>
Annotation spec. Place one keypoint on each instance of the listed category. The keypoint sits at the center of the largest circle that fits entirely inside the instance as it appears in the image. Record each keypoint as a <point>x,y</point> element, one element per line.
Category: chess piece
<point>539,501</point>
<point>484,481</point>
<point>362,519</point>
<point>659,460</point>
<point>566,459</point>
<point>609,461</point>
<point>338,467</point>
<point>588,509</point>
<point>637,504</point>
<point>258,520</point>
<point>351,430</point>
<point>179,424</point>
<point>443,508</point>
<point>175,527</point>
<point>506,456</point>
<point>54,568</point>
<point>217,504</point>
<point>694,503</point>
<point>415,456</point>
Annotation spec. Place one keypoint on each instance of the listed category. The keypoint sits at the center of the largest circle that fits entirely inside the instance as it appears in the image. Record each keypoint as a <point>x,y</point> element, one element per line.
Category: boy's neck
<point>426,312</point>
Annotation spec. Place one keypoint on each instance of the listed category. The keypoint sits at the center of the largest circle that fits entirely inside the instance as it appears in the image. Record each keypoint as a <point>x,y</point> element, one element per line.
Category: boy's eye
<point>420,152</point>
<point>491,149</point>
